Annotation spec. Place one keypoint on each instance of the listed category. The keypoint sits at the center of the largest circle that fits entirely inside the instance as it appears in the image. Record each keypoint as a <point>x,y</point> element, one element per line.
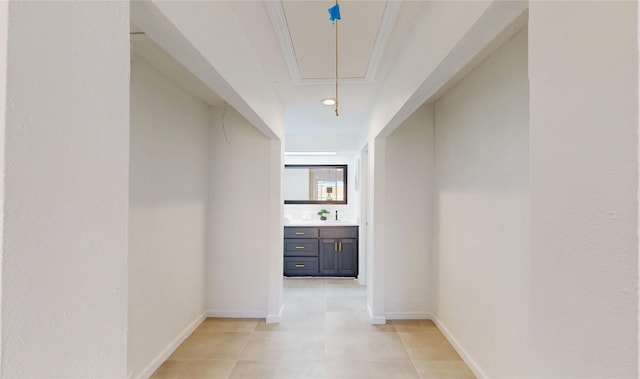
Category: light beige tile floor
<point>324,334</point>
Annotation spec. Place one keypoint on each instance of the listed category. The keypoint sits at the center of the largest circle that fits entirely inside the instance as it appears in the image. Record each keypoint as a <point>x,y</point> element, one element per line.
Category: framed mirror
<point>315,184</point>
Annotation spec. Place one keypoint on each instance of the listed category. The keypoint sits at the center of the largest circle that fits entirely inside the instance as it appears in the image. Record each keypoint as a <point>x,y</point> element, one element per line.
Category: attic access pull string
<point>334,16</point>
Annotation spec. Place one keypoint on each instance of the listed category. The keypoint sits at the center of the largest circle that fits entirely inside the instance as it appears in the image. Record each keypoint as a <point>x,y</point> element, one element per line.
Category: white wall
<point>320,141</point>
<point>483,238</point>
<point>64,253</point>
<point>409,217</point>
<point>242,203</point>
<point>167,215</point>
<point>376,206</point>
<point>458,35</point>
<point>275,212</point>
<point>583,67</point>
<point>208,39</point>
<point>241,213</point>
<point>440,26</point>
<point>4,22</point>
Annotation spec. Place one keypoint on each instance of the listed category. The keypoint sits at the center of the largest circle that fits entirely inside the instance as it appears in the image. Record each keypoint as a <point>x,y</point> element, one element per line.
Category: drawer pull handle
<point>340,246</point>
<point>299,265</point>
<point>299,247</point>
<point>300,233</point>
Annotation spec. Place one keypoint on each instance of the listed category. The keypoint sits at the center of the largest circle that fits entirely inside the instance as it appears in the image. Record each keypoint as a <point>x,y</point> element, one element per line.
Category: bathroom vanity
<point>321,250</point>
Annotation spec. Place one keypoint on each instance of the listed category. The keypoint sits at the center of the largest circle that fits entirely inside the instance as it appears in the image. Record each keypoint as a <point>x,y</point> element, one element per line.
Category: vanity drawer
<point>300,232</point>
<point>300,266</point>
<point>339,232</point>
<point>300,247</point>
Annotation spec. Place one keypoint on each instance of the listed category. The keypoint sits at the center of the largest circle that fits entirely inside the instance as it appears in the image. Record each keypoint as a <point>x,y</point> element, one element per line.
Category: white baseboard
<point>376,320</point>
<point>466,357</point>
<point>409,315</point>
<point>275,318</point>
<point>167,351</point>
<point>235,314</point>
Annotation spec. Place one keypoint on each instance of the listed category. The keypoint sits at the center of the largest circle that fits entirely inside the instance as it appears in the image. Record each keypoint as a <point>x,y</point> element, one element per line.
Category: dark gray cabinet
<point>339,257</point>
<point>321,251</point>
<point>301,251</point>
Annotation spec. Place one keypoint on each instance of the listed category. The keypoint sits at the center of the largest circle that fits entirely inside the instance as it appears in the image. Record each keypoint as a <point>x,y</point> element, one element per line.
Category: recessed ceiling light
<point>329,101</point>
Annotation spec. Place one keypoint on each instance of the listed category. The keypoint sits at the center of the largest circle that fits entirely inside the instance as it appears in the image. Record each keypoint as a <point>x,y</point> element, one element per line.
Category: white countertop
<point>318,222</point>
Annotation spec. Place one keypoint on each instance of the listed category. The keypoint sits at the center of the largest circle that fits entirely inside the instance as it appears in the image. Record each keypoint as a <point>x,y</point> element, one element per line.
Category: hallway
<point>325,333</point>
<point>498,192</point>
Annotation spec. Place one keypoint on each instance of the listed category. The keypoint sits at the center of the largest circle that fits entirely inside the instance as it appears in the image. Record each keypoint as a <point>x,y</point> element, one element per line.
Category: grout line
<point>199,359</point>
<point>324,295</point>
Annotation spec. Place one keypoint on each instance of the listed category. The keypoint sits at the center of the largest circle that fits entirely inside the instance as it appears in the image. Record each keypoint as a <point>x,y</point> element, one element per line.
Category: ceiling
<point>275,60</point>
<point>308,39</point>
<point>299,57</point>
<point>295,43</point>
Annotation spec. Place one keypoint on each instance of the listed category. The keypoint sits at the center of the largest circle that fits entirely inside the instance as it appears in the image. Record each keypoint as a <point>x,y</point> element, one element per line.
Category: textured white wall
<point>275,212</point>
<point>441,26</point>
<point>4,21</point>
<point>456,33</point>
<point>64,305</point>
<point>320,141</point>
<point>376,206</point>
<point>168,213</point>
<point>483,242</point>
<point>409,218</point>
<point>241,211</point>
<point>256,200</point>
<point>225,62</point>
<point>583,67</point>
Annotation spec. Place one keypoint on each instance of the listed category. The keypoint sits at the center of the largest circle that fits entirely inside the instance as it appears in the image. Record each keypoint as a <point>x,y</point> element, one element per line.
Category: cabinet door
<point>328,256</point>
<point>348,257</point>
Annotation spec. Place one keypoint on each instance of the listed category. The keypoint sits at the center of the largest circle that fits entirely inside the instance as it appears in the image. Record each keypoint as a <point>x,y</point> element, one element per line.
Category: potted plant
<point>322,214</point>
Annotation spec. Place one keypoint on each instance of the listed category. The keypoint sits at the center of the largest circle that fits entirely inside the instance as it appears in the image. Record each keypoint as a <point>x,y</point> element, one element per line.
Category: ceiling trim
<point>281,28</point>
<point>389,17</point>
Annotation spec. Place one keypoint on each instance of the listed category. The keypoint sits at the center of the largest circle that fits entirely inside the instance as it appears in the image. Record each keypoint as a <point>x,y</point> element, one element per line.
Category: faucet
<point>336,215</point>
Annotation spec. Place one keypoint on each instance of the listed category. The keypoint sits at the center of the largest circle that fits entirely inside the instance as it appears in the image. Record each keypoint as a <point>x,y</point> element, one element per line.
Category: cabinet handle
<point>300,233</point>
<point>340,246</point>
<point>299,247</point>
<point>299,265</point>
<point>335,246</point>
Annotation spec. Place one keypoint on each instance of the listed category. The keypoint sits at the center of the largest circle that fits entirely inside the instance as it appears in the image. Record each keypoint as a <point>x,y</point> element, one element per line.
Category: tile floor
<point>324,333</point>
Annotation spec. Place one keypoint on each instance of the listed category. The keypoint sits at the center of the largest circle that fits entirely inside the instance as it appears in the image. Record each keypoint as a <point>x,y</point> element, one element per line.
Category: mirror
<point>315,184</point>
